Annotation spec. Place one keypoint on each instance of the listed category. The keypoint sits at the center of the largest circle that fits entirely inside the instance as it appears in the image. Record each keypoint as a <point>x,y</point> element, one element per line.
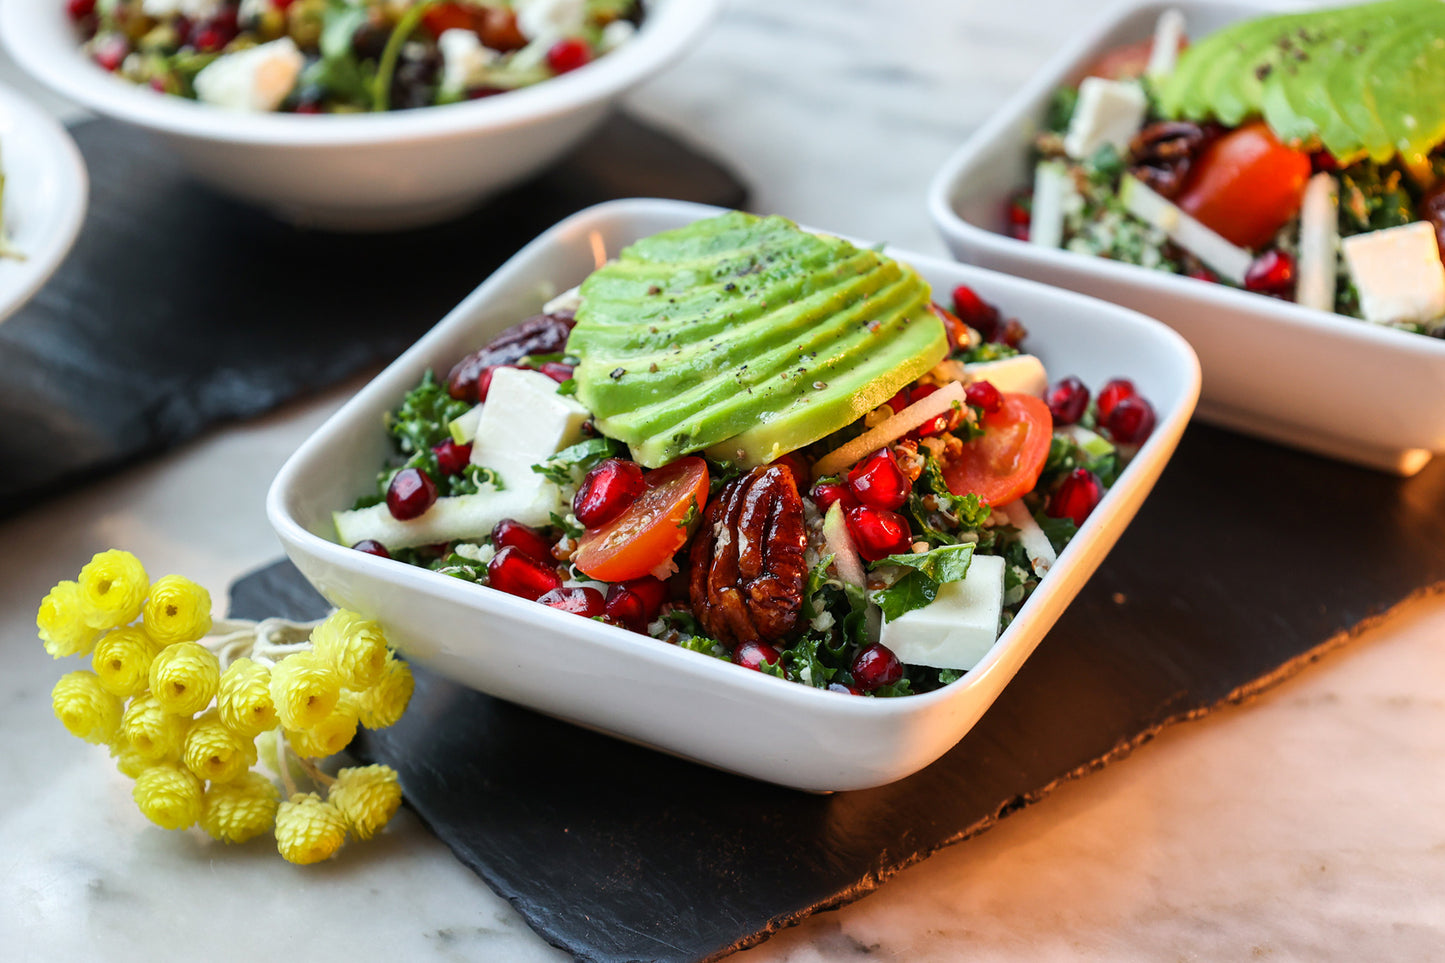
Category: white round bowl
<point>361,171</point>
<point>45,194</point>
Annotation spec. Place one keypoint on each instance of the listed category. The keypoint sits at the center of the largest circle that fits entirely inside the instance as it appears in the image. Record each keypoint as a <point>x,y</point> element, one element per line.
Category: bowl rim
<point>951,180</point>
<point>66,171</point>
<point>1156,450</point>
<point>40,39</point>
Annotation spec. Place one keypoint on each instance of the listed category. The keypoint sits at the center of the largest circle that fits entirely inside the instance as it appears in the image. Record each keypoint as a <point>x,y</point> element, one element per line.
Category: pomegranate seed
<point>308,107</point>
<point>372,547</point>
<point>1067,400</point>
<point>752,655</point>
<point>1323,160</point>
<point>111,52</point>
<point>844,689</point>
<point>938,424</point>
<point>216,32</point>
<point>515,572</point>
<point>1019,216</point>
<point>878,481</point>
<point>899,401</point>
<point>557,371</point>
<point>1271,273</point>
<point>526,539</point>
<point>1131,420</point>
<point>568,54</point>
<point>452,458</point>
<point>975,312</point>
<point>586,602</point>
<point>158,84</point>
<point>878,533</point>
<point>607,491</point>
<point>1204,274</point>
<point>479,93</point>
<point>651,590</point>
<point>982,394</point>
<point>626,608</point>
<point>1113,393</point>
<point>1076,497</point>
<point>79,9</point>
<point>410,493</point>
<point>826,493</point>
<point>875,667</point>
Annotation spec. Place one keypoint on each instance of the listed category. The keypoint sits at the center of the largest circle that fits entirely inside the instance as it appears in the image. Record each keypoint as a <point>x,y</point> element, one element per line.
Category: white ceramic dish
<point>363,171</point>
<point>1329,384</point>
<point>45,194</point>
<point>660,695</point>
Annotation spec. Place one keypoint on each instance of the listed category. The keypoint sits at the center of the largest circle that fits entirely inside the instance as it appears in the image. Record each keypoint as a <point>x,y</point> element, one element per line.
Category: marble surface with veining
<point>1308,824</point>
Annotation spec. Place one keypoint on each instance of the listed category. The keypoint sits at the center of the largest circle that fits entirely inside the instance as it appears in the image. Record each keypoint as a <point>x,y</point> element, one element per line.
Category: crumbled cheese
<point>1107,112</point>
<point>1398,273</point>
<point>550,19</point>
<point>464,57</point>
<point>615,34</point>
<point>959,626</point>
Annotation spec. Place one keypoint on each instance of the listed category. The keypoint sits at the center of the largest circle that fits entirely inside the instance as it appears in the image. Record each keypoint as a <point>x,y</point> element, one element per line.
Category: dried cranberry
<point>568,54</point>
<point>111,52</point>
<point>826,493</point>
<point>515,572</point>
<point>557,371</point>
<point>878,533</point>
<point>1067,400</point>
<point>606,491</point>
<point>1113,393</point>
<point>875,667</point>
<point>1271,273</point>
<point>410,493</point>
<point>982,394</point>
<point>975,312</point>
<point>1131,421</point>
<point>372,547</point>
<point>878,481</point>
<point>752,655</point>
<point>586,602</point>
<point>513,534</point>
<point>1076,496</point>
<point>452,458</point>
<point>539,334</point>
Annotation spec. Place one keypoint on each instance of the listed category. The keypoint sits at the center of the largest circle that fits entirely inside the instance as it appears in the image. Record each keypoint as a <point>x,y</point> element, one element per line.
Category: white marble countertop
<point>1308,824</point>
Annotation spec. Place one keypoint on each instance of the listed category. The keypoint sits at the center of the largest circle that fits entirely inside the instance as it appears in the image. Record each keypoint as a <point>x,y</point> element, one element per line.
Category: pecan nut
<point>539,334</point>
<point>747,565</point>
<point>1162,154</point>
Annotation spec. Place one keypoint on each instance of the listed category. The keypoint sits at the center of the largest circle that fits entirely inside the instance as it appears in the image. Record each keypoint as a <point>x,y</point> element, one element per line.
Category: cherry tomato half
<point>1006,461</point>
<point>652,528</point>
<point>1246,185</point>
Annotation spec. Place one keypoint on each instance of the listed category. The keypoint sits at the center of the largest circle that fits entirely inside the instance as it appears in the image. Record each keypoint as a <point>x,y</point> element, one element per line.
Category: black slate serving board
<point>1247,563</point>
<point>179,308</point>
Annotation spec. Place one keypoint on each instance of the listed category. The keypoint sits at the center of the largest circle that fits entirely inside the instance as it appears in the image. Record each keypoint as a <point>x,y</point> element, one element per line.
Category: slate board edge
<point>1245,693</point>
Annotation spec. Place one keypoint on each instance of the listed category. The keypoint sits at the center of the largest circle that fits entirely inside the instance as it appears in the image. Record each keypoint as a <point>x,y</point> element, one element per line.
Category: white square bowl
<point>647,691</point>
<point>1329,384</point>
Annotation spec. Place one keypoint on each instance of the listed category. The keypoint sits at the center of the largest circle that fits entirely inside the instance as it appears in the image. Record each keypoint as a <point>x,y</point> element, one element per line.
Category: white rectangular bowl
<point>660,695</point>
<point>1315,380</point>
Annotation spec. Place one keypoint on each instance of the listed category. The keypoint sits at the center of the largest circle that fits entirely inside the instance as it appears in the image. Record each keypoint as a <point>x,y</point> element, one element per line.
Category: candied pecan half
<point>539,334</point>
<point>748,571</point>
<point>1162,154</point>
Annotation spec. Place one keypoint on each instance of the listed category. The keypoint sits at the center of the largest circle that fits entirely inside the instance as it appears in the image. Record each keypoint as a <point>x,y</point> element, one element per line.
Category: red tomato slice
<point>1246,185</point>
<point>1126,62</point>
<point>1006,461</point>
<point>652,528</point>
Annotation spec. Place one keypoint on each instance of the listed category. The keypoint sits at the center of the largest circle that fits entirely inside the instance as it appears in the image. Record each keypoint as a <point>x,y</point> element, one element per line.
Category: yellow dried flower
<point>152,733</point>
<point>383,704</point>
<point>85,708</point>
<point>330,735</point>
<point>303,690</point>
<point>308,830</point>
<point>178,610</point>
<point>168,795</point>
<point>184,677</point>
<point>113,585</point>
<point>240,810</point>
<point>244,698</point>
<point>368,796</point>
<point>122,660</point>
<point>127,760</point>
<point>61,622</point>
<point>354,648</point>
<point>214,752</point>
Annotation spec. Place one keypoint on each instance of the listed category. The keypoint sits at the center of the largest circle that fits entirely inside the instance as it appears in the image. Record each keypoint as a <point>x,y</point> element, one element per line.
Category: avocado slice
<point>746,337</point>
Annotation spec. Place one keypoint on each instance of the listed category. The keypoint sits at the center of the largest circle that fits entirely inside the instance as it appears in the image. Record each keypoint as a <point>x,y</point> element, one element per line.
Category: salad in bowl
<point>1296,155</point>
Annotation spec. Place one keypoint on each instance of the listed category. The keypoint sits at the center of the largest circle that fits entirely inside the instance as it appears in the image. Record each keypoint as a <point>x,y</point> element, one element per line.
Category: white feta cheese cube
<point>464,57</point>
<point>1021,374</point>
<point>1398,273</point>
<point>257,79</point>
<point>523,422</point>
<point>958,627</point>
<point>616,33</point>
<point>550,19</point>
<point>1107,112</point>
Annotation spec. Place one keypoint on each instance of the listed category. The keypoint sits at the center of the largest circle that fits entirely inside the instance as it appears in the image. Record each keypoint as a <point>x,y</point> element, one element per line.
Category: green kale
<point>569,465</point>
<point>987,351</point>
<point>1061,109</point>
<point>1372,197</point>
<point>928,572</point>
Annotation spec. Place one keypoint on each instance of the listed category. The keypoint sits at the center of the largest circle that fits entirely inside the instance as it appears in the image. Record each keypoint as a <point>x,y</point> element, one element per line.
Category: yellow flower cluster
<point>185,726</point>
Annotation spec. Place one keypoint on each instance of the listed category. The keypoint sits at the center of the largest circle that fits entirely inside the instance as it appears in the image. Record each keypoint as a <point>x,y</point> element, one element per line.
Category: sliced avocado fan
<point>1360,81</point>
<point>746,337</point>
